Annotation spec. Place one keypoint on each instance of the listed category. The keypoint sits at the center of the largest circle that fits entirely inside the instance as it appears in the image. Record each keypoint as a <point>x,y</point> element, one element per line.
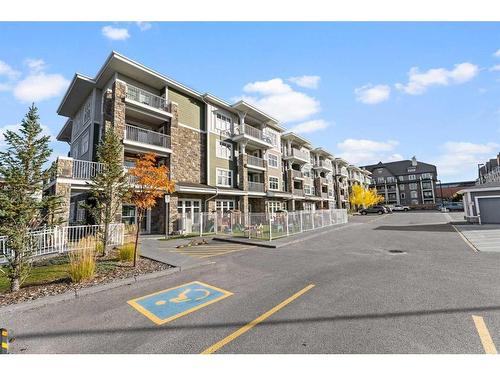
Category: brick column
<point>64,169</point>
<point>172,225</point>
<point>242,172</point>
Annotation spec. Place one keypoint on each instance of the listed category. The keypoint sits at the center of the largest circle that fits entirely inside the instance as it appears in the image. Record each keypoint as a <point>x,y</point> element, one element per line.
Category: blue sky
<point>365,91</point>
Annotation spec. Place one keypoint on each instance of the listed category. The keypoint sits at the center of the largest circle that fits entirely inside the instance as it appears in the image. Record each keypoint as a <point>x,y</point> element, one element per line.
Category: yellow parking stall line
<point>484,335</point>
<point>227,252</point>
<point>253,323</point>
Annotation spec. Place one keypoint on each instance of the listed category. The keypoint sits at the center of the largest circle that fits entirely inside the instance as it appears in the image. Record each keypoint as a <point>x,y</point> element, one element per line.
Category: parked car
<point>374,210</point>
<point>451,206</point>
<point>399,207</point>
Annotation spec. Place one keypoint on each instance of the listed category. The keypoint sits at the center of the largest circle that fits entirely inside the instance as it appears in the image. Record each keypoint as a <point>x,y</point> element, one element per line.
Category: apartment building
<point>407,182</point>
<point>489,171</point>
<point>222,156</point>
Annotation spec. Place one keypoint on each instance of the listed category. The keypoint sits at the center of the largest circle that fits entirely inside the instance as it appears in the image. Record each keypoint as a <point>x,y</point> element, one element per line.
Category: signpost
<point>167,214</point>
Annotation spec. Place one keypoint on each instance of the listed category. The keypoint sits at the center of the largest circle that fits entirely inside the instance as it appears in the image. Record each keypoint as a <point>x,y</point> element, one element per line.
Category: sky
<point>368,92</point>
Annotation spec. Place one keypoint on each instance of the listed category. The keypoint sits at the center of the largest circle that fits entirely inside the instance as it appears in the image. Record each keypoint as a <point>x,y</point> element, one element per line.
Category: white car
<point>398,207</point>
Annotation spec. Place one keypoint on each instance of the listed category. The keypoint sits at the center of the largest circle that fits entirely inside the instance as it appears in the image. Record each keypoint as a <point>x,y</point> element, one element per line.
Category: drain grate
<point>397,251</point>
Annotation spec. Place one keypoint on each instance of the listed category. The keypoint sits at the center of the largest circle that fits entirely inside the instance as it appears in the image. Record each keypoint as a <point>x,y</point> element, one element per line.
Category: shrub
<point>126,252</point>
<point>82,264</point>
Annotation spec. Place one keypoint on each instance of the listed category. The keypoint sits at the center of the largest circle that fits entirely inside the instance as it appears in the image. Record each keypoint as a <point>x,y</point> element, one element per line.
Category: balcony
<point>256,186</point>
<point>142,100</point>
<point>297,191</point>
<point>323,165</point>
<point>324,195</point>
<point>143,140</point>
<point>322,180</point>
<point>85,170</point>
<point>297,174</point>
<point>253,136</point>
<point>255,162</point>
<point>296,155</point>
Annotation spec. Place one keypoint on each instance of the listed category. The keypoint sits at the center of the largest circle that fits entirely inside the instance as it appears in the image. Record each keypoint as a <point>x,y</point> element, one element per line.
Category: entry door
<point>189,210</point>
<point>489,210</point>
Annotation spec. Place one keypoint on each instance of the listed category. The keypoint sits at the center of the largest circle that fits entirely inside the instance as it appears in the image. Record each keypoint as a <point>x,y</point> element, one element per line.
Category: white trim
<point>217,177</point>
<point>191,128</point>
<point>277,160</point>
<point>269,183</point>
<point>218,154</point>
<point>476,199</point>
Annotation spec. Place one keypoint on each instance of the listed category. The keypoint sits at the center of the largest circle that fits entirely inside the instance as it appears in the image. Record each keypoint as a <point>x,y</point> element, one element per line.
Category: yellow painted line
<point>484,335</point>
<point>465,239</point>
<point>5,345</point>
<point>253,323</point>
<point>214,255</point>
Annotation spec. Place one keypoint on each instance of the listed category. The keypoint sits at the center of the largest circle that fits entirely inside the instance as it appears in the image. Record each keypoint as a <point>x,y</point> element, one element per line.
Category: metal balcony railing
<point>255,161</point>
<point>255,186</point>
<point>86,170</point>
<point>252,132</point>
<point>324,164</point>
<point>299,154</point>
<point>145,97</point>
<point>136,134</point>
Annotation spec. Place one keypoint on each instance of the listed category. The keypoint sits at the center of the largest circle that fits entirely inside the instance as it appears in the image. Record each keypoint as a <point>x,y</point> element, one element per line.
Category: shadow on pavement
<point>418,228</point>
<point>238,324</point>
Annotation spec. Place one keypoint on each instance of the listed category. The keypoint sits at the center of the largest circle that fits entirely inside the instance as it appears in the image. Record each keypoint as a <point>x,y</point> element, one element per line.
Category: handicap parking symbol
<point>166,305</point>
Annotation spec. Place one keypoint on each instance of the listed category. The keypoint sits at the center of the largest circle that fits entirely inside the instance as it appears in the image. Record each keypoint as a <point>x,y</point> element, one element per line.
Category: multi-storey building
<point>490,171</point>
<point>221,156</point>
<point>407,182</point>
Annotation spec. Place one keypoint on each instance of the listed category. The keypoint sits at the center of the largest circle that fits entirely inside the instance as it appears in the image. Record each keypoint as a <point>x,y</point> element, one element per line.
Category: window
<point>80,211</point>
<point>414,194</point>
<point>403,195</point>
<point>272,160</point>
<point>306,171</point>
<point>224,150</point>
<point>224,205</point>
<point>426,185</point>
<point>401,178</point>
<point>411,169</point>
<point>307,189</point>
<point>428,194</point>
<point>85,143</point>
<point>380,180</point>
<point>273,206</point>
<point>391,179</point>
<point>426,176</point>
<point>224,177</point>
<point>413,186</point>
<point>308,206</point>
<point>223,124</point>
<point>274,183</point>
<point>411,177</point>
<point>128,214</point>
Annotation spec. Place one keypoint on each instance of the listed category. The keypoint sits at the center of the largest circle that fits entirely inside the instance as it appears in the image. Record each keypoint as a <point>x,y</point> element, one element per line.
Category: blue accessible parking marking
<point>166,305</point>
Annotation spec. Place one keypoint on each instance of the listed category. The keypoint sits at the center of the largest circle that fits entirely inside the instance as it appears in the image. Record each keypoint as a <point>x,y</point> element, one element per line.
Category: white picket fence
<point>266,226</point>
<point>62,239</point>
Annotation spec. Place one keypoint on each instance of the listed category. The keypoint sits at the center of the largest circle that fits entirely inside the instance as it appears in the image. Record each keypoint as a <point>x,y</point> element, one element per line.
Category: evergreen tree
<point>21,203</point>
<point>108,188</point>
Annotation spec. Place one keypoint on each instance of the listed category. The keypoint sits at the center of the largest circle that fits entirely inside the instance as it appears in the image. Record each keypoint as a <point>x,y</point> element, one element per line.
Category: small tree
<point>372,198</point>
<point>108,188</point>
<point>21,201</point>
<point>150,183</point>
<point>361,197</point>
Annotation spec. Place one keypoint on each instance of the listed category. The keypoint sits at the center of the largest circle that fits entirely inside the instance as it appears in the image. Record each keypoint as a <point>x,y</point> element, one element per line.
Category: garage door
<point>489,209</point>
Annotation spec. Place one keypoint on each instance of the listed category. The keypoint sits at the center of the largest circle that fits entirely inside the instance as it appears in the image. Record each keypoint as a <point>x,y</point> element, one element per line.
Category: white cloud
<point>495,68</point>
<point>419,82</point>
<point>7,71</point>
<point>309,126</point>
<point>370,94</point>
<point>309,82</point>
<point>35,65</point>
<point>458,158</point>
<point>365,151</point>
<point>115,33</point>
<point>143,26</point>
<point>497,53</point>
<point>280,100</point>
<point>40,86</point>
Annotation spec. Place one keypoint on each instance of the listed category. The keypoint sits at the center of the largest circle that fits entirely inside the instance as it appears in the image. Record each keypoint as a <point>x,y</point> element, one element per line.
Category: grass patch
<point>126,252</point>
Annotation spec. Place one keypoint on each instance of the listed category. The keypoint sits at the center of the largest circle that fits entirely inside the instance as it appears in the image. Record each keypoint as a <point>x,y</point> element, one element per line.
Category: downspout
<point>212,197</point>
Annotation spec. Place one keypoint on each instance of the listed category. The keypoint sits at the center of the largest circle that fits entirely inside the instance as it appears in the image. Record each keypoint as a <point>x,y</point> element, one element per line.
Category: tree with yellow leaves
<point>361,197</point>
<point>150,182</point>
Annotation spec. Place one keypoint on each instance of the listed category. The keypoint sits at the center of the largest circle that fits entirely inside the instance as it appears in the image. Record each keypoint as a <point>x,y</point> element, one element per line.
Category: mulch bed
<point>109,269</point>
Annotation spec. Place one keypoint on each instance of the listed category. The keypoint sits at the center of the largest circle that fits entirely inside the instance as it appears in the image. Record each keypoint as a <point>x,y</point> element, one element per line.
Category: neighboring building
<point>221,156</point>
<point>482,203</point>
<point>406,182</point>
<point>490,171</point>
<point>446,191</point>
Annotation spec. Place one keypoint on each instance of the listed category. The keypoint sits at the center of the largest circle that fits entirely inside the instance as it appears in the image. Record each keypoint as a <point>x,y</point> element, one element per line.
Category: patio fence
<point>63,239</point>
<point>265,226</point>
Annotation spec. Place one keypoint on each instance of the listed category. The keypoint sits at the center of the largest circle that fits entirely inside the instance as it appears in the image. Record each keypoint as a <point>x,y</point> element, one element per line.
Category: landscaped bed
<point>50,277</point>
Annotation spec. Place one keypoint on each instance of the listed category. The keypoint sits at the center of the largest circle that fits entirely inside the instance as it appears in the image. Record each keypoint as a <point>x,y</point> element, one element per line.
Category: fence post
<point>313,213</point>
<point>301,225</point>
<point>286,222</point>
<point>249,225</point>
<point>270,227</point>
<point>231,222</point>
<point>201,224</point>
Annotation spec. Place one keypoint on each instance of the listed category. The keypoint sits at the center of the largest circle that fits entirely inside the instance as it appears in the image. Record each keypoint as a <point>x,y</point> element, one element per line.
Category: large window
<point>414,194</point>
<point>273,206</point>
<point>272,160</point>
<point>274,183</point>
<point>85,143</point>
<point>80,211</point>
<point>411,177</point>
<point>224,177</point>
<point>380,180</point>
<point>401,178</point>
<point>427,185</point>
<point>224,150</point>
<point>224,205</point>
<point>391,179</point>
<point>426,176</point>
<point>128,214</point>
<point>428,194</point>
<point>413,186</point>
<point>223,124</point>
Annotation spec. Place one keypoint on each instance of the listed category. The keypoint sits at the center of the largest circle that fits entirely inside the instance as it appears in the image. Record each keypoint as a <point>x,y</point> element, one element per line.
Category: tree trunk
<point>15,284</point>
<point>139,220</point>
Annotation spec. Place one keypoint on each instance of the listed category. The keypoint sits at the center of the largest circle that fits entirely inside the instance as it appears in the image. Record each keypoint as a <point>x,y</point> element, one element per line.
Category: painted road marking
<point>465,239</point>
<point>208,251</point>
<point>253,323</point>
<point>484,335</point>
<point>169,304</point>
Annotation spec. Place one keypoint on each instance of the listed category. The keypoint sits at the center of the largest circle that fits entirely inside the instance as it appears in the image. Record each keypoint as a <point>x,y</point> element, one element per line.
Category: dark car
<point>374,210</point>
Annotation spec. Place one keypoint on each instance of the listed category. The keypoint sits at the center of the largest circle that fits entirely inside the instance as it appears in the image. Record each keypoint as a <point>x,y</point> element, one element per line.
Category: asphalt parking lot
<point>399,283</point>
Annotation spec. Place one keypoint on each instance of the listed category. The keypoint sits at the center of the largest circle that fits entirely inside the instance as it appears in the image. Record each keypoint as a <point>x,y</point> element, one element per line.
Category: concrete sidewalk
<point>161,251</point>
<point>484,237</point>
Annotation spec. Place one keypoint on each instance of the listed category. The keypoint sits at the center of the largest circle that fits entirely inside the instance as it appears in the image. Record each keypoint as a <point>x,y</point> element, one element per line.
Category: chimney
<point>414,161</point>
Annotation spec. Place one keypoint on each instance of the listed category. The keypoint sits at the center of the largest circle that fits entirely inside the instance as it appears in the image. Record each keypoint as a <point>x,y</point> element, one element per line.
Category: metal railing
<point>255,186</point>
<point>264,226</point>
<point>86,170</point>
<point>255,161</point>
<point>324,164</point>
<point>136,134</point>
<point>252,132</point>
<point>145,97</point>
<point>62,239</point>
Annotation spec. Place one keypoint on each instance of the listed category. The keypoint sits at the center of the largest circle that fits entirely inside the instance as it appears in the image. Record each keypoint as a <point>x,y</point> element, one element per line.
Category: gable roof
<point>399,168</point>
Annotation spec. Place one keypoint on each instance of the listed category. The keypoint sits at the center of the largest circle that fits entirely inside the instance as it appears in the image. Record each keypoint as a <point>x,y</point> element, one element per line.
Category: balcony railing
<point>86,170</point>
<point>324,164</point>
<point>144,97</point>
<point>136,134</point>
<point>252,132</point>
<point>324,195</point>
<point>255,186</point>
<point>299,154</point>
<point>255,161</point>
<point>296,174</point>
